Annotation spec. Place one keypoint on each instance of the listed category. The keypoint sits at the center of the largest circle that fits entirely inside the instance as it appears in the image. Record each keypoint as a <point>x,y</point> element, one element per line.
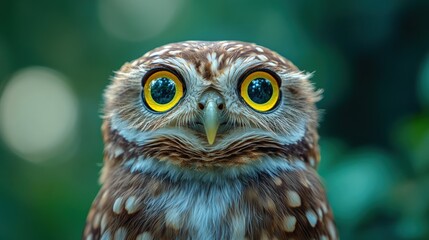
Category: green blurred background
<point>370,57</point>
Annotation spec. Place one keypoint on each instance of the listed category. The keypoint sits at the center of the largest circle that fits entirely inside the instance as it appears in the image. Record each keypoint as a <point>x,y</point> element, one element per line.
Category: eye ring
<point>260,89</point>
<point>162,89</point>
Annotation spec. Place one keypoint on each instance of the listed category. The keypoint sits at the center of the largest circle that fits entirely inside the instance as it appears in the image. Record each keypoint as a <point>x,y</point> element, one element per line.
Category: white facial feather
<point>140,138</point>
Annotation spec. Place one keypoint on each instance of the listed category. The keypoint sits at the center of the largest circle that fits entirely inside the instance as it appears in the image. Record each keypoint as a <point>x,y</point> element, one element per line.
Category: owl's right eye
<point>162,90</point>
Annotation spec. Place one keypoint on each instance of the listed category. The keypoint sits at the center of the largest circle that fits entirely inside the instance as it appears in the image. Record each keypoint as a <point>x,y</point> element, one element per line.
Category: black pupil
<point>260,90</point>
<point>162,90</point>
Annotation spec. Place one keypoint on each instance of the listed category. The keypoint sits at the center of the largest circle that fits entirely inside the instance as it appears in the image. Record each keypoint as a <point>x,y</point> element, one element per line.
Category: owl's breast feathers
<point>139,201</point>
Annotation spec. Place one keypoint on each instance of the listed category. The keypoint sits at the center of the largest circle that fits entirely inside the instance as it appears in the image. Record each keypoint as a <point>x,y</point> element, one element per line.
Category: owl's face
<point>213,104</point>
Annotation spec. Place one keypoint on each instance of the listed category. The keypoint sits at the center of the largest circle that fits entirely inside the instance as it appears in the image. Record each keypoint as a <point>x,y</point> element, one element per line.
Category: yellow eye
<point>162,90</point>
<point>260,90</point>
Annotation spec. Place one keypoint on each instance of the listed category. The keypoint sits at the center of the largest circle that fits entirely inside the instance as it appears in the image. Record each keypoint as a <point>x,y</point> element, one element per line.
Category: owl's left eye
<point>260,90</point>
<point>162,90</point>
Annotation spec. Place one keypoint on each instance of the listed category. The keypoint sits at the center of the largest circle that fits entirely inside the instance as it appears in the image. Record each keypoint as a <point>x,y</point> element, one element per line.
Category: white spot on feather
<point>104,222</point>
<point>214,61</point>
<point>106,235</point>
<point>293,199</point>
<point>289,223</point>
<point>262,58</point>
<point>277,181</point>
<point>131,205</point>
<point>103,198</point>
<point>175,52</point>
<point>311,217</point>
<point>96,221</point>
<point>272,64</point>
<point>320,213</point>
<point>160,52</point>
<point>120,234</point>
<point>144,236</point>
<point>117,206</point>
<point>312,161</point>
<point>324,208</point>
<point>331,230</point>
<point>259,49</point>
<point>118,151</point>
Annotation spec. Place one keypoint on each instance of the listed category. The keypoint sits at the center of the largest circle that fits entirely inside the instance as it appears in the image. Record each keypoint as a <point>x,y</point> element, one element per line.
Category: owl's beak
<point>211,121</point>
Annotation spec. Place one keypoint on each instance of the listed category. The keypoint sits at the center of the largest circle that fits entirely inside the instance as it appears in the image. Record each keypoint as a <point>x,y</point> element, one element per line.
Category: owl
<point>210,140</point>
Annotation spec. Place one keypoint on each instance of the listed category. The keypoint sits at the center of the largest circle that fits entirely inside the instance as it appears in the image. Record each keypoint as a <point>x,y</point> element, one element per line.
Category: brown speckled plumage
<point>161,178</point>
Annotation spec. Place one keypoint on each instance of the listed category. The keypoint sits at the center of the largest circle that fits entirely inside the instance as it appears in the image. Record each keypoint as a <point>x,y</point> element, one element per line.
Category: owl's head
<point>208,105</point>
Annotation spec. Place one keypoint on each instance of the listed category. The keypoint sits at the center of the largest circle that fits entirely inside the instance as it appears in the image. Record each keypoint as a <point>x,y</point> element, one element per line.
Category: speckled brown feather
<point>260,201</point>
<point>266,195</point>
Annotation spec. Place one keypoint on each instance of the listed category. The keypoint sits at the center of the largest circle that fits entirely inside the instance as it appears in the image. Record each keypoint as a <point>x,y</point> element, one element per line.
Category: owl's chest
<point>201,210</point>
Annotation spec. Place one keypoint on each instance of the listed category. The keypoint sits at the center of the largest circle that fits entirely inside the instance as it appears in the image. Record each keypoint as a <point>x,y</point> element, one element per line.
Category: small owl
<point>210,140</point>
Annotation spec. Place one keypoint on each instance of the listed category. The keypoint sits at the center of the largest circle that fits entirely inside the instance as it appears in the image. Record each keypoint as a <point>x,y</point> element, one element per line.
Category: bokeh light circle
<point>136,20</point>
<point>38,114</point>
